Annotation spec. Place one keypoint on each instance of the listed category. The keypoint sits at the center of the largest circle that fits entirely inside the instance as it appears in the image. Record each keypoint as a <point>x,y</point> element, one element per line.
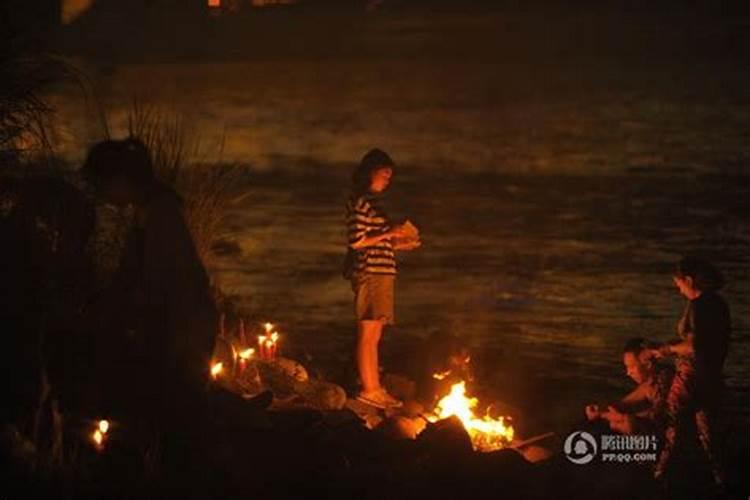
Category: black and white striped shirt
<point>364,218</point>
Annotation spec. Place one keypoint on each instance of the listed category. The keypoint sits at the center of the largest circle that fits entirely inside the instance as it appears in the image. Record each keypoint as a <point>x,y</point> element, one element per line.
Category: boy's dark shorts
<point>373,297</point>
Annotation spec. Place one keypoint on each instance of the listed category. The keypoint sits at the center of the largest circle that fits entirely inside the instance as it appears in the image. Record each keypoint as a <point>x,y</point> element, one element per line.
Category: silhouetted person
<point>642,410</point>
<point>45,225</point>
<point>699,352</point>
<point>157,320</point>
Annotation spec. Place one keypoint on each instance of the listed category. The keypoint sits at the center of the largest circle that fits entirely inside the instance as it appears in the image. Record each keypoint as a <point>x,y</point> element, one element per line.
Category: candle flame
<point>216,369</point>
<point>247,353</point>
<point>274,337</point>
<point>103,426</point>
<point>268,327</point>
<point>98,437</point>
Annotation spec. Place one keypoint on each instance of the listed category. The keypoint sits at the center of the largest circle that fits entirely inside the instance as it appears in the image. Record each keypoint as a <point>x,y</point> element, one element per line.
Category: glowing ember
<point>441,375</point>
<point>487,434</point>
<point>216,369</point>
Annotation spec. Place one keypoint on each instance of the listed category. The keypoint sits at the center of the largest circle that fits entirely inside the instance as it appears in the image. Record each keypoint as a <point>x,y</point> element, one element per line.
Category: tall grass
<point>198,174</point>
<point>25,116</point>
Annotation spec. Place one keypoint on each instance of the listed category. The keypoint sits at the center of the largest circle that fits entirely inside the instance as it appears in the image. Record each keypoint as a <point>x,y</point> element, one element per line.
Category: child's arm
<point>365,240</point>
<point>682,347</point>
<point>359,219</point>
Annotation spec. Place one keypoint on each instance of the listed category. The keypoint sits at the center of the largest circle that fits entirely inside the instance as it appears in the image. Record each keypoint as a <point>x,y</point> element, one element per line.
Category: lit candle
<point>263,341</point>
<point>99,436</point>
<point>245,357</point>
<point>274,341</point>
<point>269,349</point>
<point>243,340</point>
<point>262,346</point>
<point>216,369</point>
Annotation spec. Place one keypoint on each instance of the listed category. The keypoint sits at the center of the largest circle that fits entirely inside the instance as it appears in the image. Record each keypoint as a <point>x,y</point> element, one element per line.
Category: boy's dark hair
<point>109,159</point>
<point>634,346</point>
<point>373,160</point>
<point>706,277</point>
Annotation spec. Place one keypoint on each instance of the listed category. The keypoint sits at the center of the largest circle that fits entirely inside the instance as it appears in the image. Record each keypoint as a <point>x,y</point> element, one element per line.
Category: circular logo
<point>580,447</point>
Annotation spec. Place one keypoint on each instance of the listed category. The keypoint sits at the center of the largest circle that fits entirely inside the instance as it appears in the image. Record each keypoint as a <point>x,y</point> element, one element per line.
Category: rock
<point>371,416</point>
<point>446,440</point>
<point>328,396</point>
<point>291,369</point>
<point>399,386</point>
<point>412,409</point>
<point>247,381</point>
<point>535,454</point>
<point>401,427</point>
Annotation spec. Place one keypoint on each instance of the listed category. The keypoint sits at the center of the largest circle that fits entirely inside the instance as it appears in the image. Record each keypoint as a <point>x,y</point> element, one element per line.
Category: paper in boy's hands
<point>409,239</point>
<point>410,230</point>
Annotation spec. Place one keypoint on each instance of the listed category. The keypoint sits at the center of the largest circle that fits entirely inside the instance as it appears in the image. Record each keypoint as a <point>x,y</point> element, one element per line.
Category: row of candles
<point>267,348</point>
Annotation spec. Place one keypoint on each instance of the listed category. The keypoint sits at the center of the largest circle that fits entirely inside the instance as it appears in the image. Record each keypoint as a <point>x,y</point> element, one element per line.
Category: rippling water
<point>544,277</point>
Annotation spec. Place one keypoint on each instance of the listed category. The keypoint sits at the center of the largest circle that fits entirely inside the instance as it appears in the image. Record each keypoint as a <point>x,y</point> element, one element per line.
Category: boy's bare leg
<point>369,333</point>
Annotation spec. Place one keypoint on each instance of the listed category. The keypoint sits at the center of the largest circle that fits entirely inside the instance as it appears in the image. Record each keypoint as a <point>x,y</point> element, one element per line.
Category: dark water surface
<point>544,277</point>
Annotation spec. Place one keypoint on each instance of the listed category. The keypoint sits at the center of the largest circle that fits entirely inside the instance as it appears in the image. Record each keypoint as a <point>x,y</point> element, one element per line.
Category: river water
<point>543,277</point>
<point>557,165</point>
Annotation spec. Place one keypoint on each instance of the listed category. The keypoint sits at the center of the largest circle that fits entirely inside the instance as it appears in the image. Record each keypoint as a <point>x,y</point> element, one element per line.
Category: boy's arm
<point>357,226</point>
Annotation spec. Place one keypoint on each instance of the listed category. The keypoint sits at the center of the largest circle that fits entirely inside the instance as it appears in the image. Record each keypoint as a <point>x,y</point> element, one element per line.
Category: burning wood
<point>487,434</point>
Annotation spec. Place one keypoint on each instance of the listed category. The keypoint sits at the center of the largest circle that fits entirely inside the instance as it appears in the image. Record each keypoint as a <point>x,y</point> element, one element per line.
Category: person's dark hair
<point>634,346</point>
<point>706,277</point>
<point>109,159</point>
<point>373,160</point>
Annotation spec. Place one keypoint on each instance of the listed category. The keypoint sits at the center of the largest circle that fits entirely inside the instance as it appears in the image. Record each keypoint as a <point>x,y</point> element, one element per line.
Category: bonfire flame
<point>487,434</point>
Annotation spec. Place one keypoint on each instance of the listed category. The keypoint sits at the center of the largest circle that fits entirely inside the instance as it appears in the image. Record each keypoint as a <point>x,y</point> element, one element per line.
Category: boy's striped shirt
<point>365,217</point>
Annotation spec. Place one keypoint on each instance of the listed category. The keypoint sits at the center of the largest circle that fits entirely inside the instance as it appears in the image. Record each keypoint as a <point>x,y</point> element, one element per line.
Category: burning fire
<point>487,434</point>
